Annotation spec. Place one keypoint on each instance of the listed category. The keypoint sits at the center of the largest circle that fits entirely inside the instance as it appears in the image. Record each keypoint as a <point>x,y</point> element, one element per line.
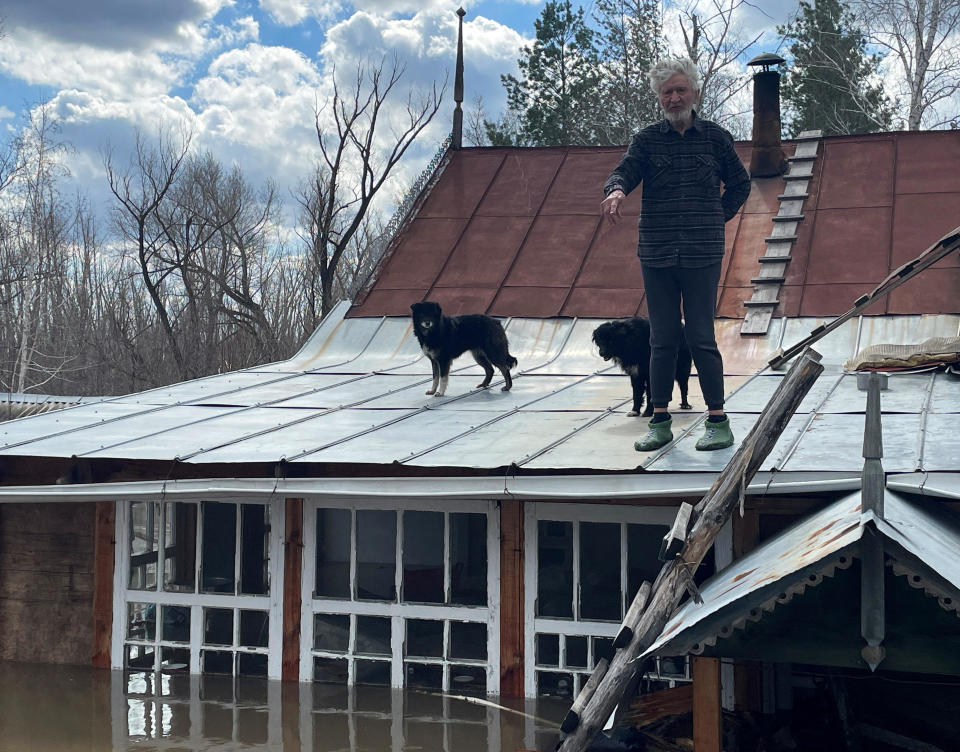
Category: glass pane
<point>554,568</point>
<point>376,555</point>
<point>548,649</point>
<point>673,667</point>
<point>468,680</point>
<point>180,554</point>
<point>254,629</point>
<point>176,623</point>
<point>218,626</point>
<point>421,676</point>
<point>423,557</point>
<point>251,664</point>
<point>144,544</point>
<point>331,632</point>
<point>254,549</point>
<point>175,659</point>
<point>577,652</point>
<point>468,559</point>
<point>216,662</point>
<point>600,593</point>
<point>219,547</point>
<point>468,639</point>
<point>141,621</point>
<point>373,635</point>
<point>333,554</point>
<point>602,648</point>
<point>552,684</point>
<point>330,670</point>
<point>424,638</point>
<point>643,547</point>
<point>373,672</point>
<point>140,656</point>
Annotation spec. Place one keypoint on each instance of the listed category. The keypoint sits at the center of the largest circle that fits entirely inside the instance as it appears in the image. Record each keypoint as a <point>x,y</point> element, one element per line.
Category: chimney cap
<point>766,59</point>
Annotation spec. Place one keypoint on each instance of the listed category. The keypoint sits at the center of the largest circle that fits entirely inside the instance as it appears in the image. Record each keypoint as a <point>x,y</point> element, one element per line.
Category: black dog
<point>627,343</point>
<point>443,338</point>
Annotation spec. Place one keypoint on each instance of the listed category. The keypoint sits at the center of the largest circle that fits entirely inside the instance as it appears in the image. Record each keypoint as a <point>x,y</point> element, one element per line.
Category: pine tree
<point>830,84</point>
<point>629,41</point>
<point>558,88</point>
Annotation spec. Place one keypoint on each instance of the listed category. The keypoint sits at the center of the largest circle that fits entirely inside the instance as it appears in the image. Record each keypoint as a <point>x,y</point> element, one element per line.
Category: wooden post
<point>709,516</point>
<point>292,567</point>
<point>104,527</point>
<point>707,711</point>
<point>511,598</point>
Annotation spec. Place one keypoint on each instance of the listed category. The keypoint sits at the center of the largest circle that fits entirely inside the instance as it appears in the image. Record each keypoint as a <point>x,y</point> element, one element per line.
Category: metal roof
<point>517,232</point>
<point>355,394</point>
<point>814,548</point>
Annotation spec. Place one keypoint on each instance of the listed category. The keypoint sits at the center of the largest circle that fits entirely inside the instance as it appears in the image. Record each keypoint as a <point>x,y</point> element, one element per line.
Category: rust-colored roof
<point>517,232</point>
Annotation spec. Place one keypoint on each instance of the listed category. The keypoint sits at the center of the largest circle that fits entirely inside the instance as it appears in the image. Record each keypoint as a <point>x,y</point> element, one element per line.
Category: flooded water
<point>67,708</point>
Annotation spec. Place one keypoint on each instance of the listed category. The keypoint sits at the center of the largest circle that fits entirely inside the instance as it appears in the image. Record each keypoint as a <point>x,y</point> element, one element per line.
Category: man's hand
<point>610,206</point>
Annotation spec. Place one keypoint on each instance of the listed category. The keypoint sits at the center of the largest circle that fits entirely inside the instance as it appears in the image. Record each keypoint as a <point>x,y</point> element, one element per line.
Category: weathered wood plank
<point>292,567</point>
<point>104,544</point>
<point>711,513</point>
<point>707,710</point>
<point>511,598</point>
<point>757,320</point>
<point>656,705</point>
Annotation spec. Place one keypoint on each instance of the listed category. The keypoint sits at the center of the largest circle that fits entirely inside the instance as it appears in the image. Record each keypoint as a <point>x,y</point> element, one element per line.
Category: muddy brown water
<point>70,708</point>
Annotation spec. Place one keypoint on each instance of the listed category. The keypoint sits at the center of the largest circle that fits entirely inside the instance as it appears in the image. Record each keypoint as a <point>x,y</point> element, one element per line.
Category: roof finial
<point>457,138</point>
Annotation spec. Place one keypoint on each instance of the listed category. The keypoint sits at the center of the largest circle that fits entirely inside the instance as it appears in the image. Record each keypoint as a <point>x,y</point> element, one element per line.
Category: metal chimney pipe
<point>767,159</point>
<point>457,138</point>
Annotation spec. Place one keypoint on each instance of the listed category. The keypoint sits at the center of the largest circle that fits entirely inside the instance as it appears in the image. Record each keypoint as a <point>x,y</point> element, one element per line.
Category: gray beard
<point>682,117</point>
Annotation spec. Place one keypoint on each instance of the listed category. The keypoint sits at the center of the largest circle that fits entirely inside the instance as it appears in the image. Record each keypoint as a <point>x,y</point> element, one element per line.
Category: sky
<point>246,75</point>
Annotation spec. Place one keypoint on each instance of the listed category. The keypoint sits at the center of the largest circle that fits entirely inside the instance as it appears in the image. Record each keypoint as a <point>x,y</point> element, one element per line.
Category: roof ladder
<point>773,265</point>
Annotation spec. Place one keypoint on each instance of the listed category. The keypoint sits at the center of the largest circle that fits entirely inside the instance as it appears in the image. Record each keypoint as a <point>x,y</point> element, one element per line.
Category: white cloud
<point>293,12</point>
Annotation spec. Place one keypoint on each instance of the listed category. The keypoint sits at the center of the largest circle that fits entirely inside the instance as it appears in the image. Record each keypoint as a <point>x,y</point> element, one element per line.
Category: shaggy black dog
<point>443,338</point>
<point>627,343</point>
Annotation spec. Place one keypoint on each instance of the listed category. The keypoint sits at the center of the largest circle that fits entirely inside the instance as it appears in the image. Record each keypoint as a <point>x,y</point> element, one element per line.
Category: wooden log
<point>572,718</point>
<point>710,514</point>
<point>511,598</point>
<point>633,616</point>
<point>677,534</point>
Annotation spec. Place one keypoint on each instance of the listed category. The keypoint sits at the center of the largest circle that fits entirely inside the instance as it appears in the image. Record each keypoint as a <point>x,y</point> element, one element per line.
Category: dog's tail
<point>512,361</point>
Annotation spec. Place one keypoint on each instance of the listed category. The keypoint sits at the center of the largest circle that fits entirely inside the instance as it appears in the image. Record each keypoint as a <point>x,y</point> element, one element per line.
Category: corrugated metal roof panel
<point>567,409</point>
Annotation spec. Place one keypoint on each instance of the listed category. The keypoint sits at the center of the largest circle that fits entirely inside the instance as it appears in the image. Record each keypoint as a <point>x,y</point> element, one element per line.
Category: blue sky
<point>245,75</point>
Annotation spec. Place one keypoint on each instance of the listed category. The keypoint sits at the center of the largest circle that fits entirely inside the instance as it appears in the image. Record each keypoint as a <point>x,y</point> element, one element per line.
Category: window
<point>198,581</point>
<point>400,596</point>
<point>584,564</point>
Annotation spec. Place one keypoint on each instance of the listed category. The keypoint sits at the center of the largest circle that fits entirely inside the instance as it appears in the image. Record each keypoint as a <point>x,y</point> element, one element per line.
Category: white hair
<point>669,66</point>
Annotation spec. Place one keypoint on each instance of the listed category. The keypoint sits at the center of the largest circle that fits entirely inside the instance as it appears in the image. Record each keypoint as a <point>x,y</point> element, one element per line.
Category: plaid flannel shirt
<point>683,210</point>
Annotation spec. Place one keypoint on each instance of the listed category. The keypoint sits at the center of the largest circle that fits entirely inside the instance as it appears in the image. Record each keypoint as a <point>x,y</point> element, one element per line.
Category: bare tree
<point>357,157</point>
<point>140,190</point>
<point>715,42</point>
<point>923,38</point>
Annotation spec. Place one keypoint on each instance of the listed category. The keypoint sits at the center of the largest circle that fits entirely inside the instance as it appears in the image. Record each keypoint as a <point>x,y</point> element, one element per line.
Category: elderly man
<point>681,161</point>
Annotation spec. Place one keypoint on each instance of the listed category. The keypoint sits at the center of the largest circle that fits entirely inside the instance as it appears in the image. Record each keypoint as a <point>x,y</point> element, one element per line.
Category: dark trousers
<point>695,290</point>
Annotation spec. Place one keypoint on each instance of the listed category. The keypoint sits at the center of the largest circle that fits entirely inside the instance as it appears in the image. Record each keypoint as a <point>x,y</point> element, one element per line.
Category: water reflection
<point>60,709</point>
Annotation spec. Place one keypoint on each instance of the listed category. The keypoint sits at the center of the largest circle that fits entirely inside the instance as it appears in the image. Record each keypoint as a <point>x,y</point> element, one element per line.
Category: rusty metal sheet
<point>817,538</point>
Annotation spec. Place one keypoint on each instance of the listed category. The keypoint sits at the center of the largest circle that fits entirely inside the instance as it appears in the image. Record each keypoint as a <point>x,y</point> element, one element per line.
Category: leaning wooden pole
<point>710,514</point>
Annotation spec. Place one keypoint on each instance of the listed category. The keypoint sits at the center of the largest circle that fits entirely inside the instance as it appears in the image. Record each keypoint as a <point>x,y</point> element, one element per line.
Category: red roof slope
<point>517,232</point>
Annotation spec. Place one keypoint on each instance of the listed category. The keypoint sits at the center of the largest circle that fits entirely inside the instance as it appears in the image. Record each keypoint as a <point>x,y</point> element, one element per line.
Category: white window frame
<point>398,611</point>
<point>197,601</point>
<point>534,512</point>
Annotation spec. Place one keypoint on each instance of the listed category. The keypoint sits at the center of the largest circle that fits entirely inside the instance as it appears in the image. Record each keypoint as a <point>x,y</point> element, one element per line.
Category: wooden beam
<point>292,567</point>
<point>707,710</point>
<point>103,553</point>
<point>511,598</point>
<point>710,515</point>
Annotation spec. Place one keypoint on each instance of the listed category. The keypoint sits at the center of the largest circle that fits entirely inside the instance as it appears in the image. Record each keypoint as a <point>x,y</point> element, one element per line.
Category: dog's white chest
<point>430,352</point>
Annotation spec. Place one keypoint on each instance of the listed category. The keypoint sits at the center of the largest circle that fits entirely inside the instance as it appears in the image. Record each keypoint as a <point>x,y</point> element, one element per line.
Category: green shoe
<point>716,436</point>
<point>659,435</point>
